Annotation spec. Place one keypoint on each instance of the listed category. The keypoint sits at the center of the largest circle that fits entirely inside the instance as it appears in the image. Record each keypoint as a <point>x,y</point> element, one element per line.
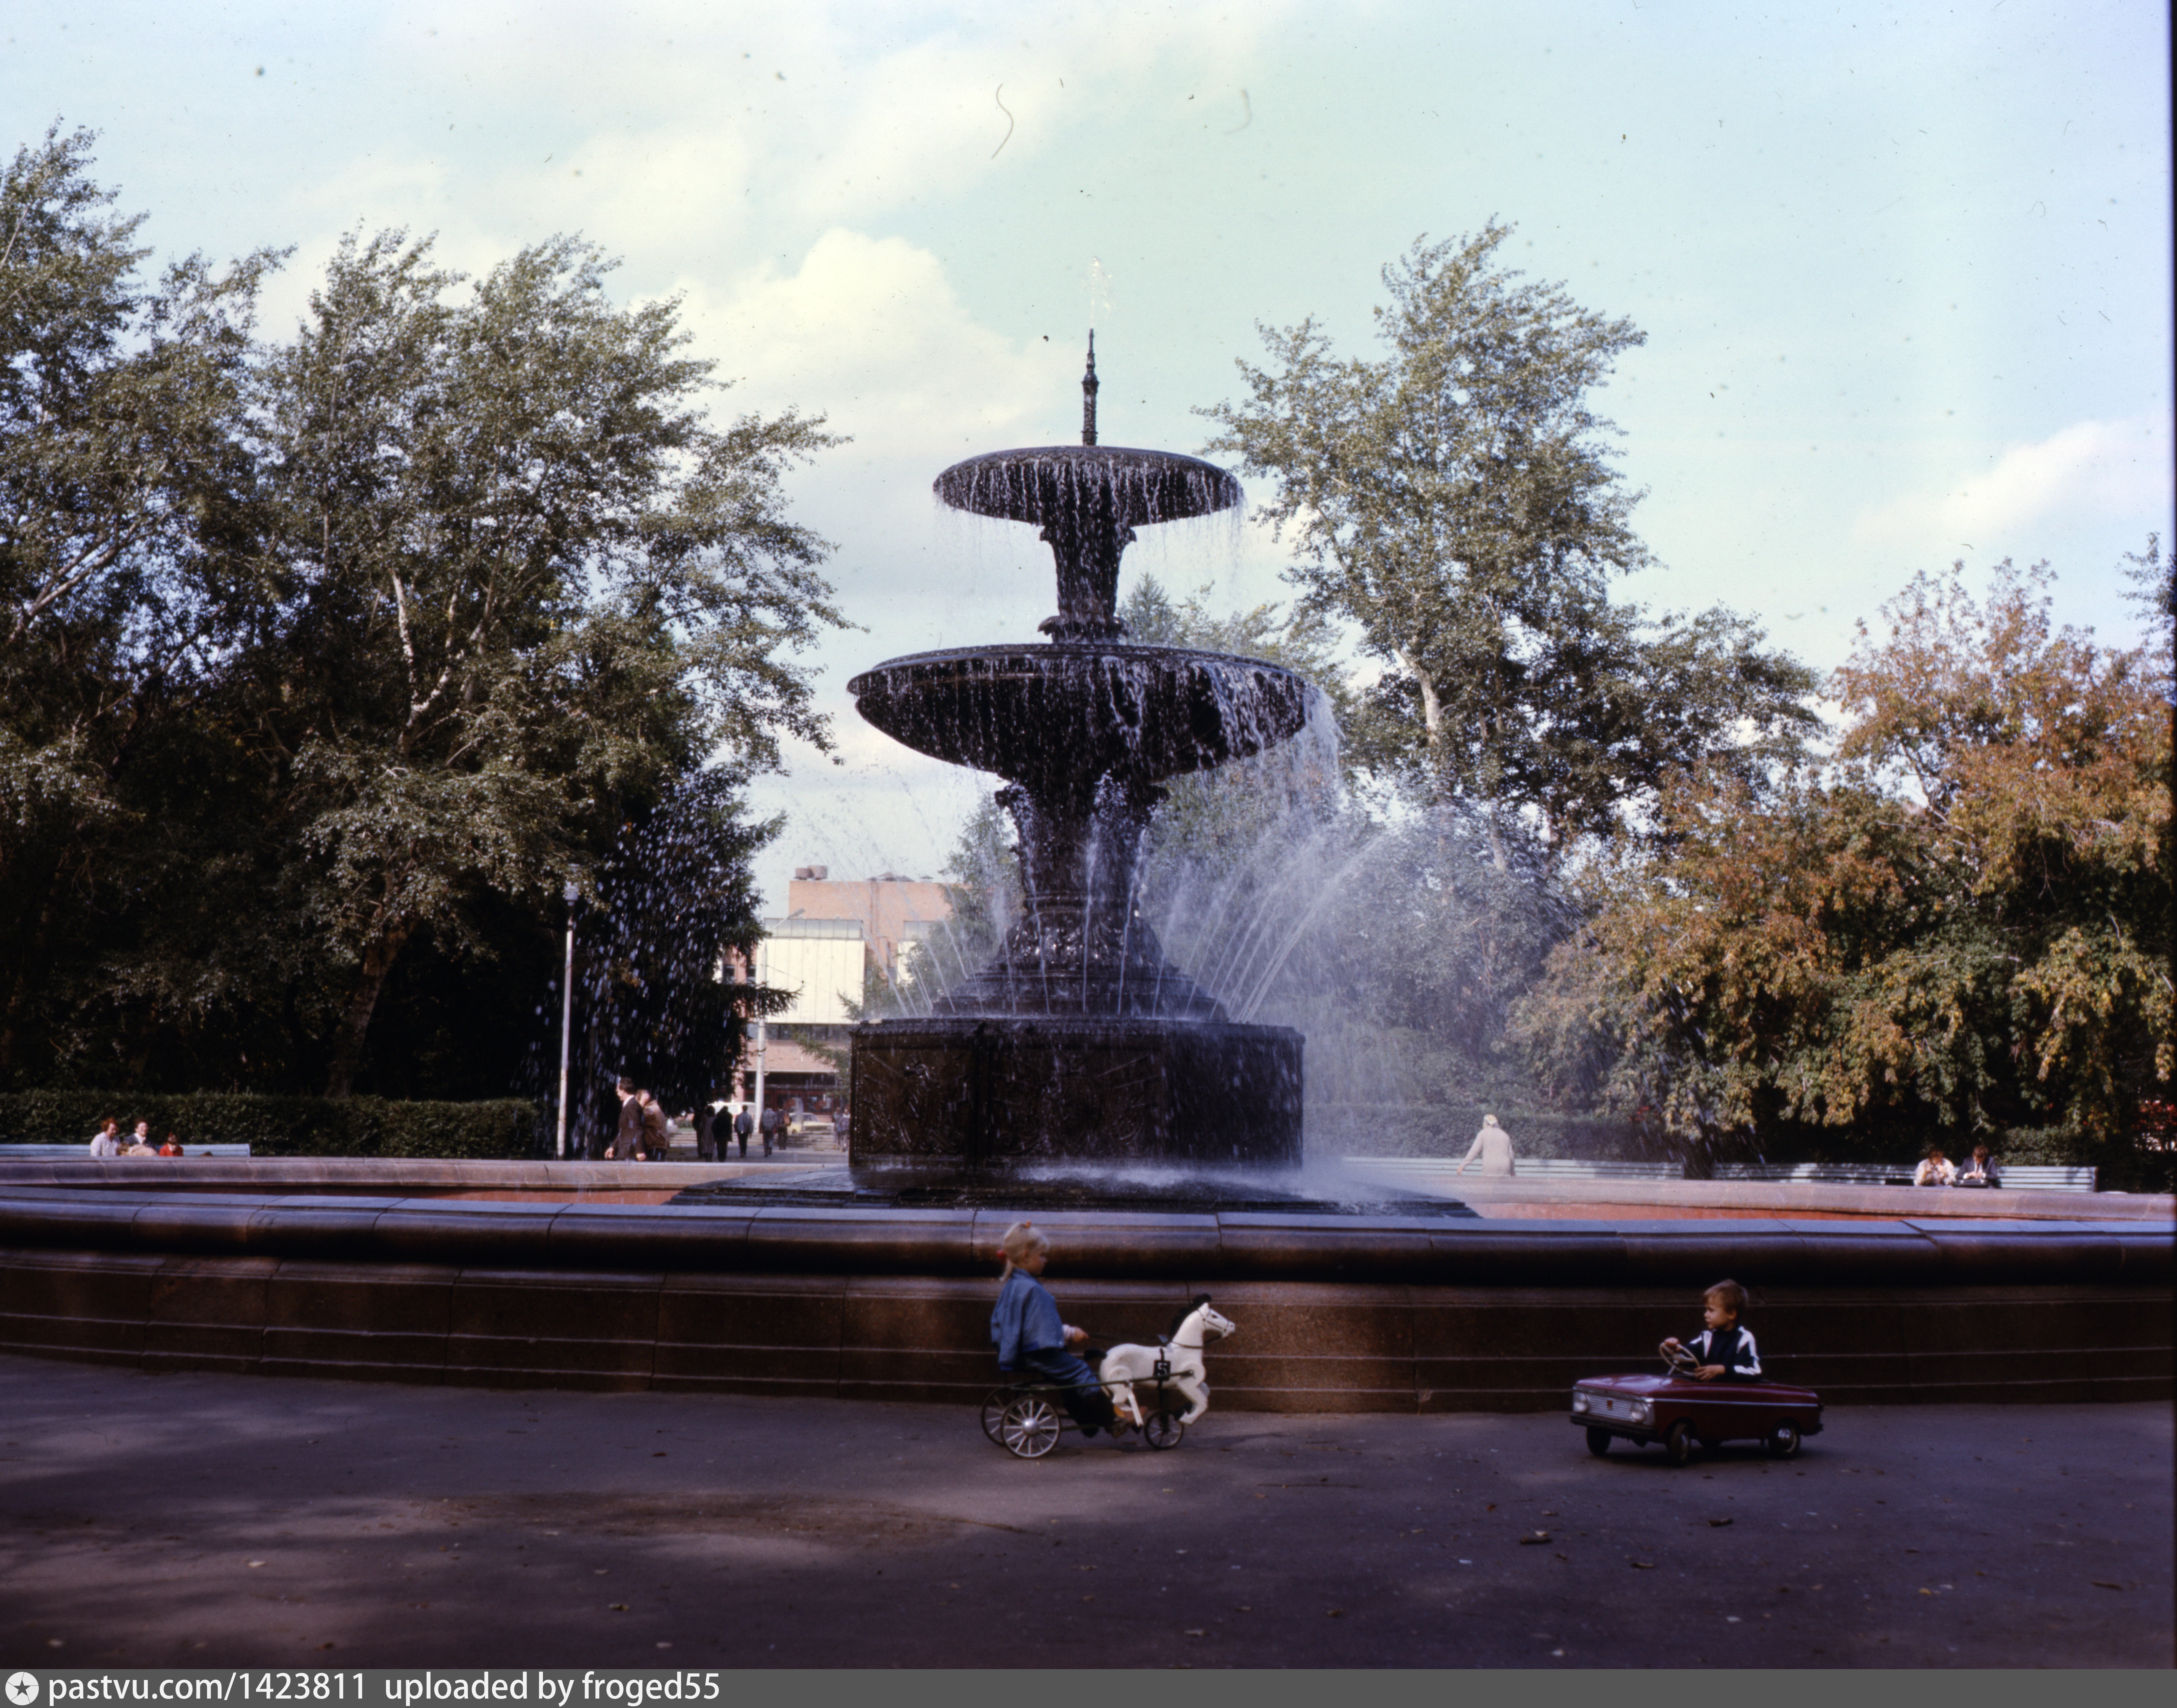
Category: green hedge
<point>2125,1164</point>
<point>273,1125</point>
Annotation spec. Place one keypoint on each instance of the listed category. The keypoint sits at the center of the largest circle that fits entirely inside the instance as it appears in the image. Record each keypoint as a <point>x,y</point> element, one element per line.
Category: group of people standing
<point>644,1133</point>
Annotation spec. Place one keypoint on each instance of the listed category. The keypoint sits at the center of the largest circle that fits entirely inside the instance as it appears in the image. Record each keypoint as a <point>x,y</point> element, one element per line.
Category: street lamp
<point>573,894</point>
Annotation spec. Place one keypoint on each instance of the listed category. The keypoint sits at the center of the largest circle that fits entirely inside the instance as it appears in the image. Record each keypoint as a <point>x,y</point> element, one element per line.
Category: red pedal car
<point>1679,1410</point>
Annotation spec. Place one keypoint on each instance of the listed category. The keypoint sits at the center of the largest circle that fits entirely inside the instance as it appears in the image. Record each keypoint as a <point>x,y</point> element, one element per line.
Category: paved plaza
<point>203,1519</point>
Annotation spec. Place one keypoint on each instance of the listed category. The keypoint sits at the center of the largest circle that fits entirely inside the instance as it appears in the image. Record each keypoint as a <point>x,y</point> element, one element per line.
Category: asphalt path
<point>211,1520</point>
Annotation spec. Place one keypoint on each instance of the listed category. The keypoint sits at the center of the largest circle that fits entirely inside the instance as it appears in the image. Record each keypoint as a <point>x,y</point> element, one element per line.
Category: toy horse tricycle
<point>1026,1418</point>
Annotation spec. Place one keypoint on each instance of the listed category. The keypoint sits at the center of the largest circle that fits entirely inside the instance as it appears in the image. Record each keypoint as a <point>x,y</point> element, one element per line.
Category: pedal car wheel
<point>1162,1429</point>
<point>994,1408</point>
<point>1598,1442</point>
<point>1029,1427</point>
<point>1678,1444</point>
<point>1783,1440</point>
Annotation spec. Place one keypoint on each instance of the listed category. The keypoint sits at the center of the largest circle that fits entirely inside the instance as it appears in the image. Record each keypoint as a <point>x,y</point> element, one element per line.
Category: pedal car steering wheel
<point>1676,1360</point>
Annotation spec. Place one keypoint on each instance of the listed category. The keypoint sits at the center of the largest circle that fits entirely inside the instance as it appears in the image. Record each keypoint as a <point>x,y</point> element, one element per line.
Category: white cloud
<point>2112,469</point>
<point>871,331</point>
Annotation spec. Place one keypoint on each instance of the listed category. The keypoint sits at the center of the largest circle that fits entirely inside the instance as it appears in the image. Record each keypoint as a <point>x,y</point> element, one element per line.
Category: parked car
<point>1679,1412</point>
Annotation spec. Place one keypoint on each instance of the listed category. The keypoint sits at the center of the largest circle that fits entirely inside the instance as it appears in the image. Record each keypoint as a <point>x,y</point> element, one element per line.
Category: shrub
<point>279,1126</point>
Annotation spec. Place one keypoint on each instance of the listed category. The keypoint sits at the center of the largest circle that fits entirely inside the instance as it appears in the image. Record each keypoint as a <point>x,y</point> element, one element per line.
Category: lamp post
<point>573,893</point>
<point>762,978</point>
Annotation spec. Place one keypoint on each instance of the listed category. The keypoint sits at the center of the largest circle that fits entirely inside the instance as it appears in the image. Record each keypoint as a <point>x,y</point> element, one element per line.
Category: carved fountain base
<point>951,1092</point>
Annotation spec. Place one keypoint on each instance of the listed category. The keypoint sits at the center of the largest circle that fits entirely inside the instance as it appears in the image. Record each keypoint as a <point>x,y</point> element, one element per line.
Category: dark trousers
<point>1085,1401</point>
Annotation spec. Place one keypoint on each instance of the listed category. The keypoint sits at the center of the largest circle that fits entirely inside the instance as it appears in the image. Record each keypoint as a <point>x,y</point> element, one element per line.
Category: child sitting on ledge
<point>1026,1329</point>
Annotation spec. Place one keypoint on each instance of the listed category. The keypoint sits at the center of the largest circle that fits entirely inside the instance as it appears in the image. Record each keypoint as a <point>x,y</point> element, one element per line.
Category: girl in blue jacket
<point>1026,1330</point>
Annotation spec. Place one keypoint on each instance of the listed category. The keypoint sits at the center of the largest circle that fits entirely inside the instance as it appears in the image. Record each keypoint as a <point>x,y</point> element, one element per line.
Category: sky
<point>1904,270</point>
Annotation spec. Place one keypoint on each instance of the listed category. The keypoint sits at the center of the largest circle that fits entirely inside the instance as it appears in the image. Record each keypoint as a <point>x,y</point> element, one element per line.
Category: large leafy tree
<point>125,536</point>
<point>324,663</point>
<point>518,578</point>
<point>1963,924</point>
<point>1455,501</point>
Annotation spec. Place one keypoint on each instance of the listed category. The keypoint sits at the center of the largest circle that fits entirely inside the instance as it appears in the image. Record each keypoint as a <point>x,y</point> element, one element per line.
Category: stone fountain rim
<point>1233,498</point>
<point>1035,651</point>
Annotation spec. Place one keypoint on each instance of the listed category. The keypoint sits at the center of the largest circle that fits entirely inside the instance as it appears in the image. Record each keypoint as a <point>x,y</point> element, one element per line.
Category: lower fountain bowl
<point>1001,1092</point>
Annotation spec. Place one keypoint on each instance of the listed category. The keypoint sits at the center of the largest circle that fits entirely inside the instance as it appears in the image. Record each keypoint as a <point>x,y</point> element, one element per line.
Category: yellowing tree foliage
<point>1962,923</point>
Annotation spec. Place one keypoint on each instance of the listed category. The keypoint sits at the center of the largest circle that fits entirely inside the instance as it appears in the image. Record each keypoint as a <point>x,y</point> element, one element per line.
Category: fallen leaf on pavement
<point>1642,1565</point>
<point>1718,1523</point>
<point>1540,1536</point>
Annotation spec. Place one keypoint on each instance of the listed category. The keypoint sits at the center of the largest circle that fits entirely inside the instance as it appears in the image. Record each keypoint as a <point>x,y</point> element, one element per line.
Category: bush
<point>2125,1164</point>
<point>277,1126</point>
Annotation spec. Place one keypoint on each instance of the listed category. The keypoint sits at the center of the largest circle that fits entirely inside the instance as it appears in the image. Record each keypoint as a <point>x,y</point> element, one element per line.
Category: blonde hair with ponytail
<point>1021,1240</point>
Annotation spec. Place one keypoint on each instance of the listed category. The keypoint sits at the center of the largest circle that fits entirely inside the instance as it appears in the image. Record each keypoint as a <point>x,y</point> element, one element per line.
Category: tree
<point>653,1003</point>
<point>125,495</point>
<point>516,583</point>
<point>1455,501</point>
<point>325,661</point>
<point>1964,923</point>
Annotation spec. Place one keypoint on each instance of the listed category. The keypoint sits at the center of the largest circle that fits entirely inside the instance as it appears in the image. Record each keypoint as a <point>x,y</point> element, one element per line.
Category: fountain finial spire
<point>1088,393</point>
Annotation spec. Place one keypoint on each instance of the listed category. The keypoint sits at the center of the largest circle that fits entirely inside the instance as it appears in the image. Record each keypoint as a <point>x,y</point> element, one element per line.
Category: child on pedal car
<point>1723,1348</point>
<point>1026,1329</point>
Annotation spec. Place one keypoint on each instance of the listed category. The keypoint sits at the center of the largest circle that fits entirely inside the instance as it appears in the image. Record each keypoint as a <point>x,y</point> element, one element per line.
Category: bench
<point>2016,1176</point>
<point>1527,1168</point>
<point>81,1151</point>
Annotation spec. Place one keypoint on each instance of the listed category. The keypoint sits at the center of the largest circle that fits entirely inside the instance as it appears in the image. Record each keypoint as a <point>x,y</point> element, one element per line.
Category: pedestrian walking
<point>627,1136</point>
<point>744,1125</point>
<point>770,1124</point>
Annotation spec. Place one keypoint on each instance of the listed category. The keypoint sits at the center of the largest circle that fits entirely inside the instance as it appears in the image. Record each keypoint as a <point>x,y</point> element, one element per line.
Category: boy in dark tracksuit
<point>1723,1348</point>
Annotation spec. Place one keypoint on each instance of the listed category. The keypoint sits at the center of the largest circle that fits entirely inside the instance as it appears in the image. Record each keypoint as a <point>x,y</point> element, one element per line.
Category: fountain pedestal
<point>1004,1091</point>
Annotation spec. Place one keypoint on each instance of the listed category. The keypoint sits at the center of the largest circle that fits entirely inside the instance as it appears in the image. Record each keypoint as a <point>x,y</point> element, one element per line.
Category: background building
<point>836,935</point>
<point>894,912</point>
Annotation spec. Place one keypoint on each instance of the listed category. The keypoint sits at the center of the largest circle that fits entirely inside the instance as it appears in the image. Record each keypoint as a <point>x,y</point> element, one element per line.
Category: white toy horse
<point>1125,1365</point>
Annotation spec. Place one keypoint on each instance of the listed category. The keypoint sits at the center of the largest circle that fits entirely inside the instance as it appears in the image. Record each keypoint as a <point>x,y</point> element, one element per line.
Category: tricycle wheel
<point>1162,1429</point>
<point>1783,1440</point>
<point>994,1408</point>
<point>1029,1427</point>
<point>1598,1442</point>
<point>1678,1441</point>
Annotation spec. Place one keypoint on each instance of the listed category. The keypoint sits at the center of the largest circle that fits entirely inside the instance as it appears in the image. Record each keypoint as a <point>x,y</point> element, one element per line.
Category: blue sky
<point>1904,270</point>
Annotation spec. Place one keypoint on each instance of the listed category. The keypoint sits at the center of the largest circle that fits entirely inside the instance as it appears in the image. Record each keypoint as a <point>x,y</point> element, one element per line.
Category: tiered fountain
<point>1079,1040</point>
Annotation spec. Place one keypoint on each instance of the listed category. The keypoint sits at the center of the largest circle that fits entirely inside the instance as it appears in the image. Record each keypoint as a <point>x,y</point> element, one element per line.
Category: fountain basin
<point>2050,1302</point>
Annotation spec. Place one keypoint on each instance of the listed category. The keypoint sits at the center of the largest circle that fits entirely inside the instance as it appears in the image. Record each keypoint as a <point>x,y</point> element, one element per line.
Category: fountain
<point>1078,1040</point>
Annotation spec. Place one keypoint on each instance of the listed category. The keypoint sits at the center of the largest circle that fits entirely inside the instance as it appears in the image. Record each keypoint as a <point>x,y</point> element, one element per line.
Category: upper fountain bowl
<point>1072,487</point>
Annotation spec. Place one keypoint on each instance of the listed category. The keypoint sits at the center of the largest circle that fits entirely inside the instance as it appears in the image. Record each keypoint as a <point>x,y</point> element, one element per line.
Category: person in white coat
<point>1491,1149</point>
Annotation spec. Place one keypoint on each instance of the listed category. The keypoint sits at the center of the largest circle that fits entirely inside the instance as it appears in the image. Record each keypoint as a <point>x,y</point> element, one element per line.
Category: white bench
<point>2018,1177</point>
<point>1528,1167</point>
<point>81,1151</point>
